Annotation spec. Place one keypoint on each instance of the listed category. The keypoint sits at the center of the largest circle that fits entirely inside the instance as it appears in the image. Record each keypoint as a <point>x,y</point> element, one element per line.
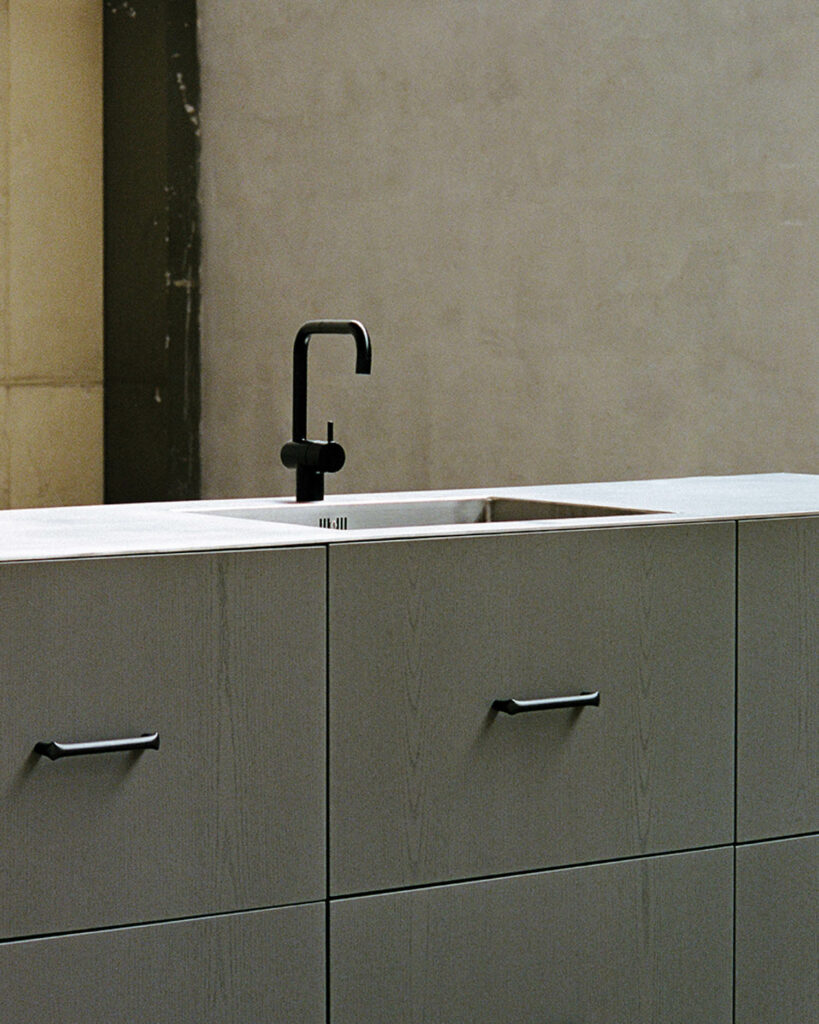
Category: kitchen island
<point>341,821</point>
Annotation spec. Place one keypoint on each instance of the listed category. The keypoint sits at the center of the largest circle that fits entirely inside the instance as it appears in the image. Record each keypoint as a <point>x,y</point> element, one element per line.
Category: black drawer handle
<point>54,750</point>
<point>514,707</point>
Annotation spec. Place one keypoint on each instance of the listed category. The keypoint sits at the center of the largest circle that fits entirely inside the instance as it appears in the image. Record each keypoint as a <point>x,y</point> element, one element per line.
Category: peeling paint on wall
<point>190,109</point>
<point>121,6</point>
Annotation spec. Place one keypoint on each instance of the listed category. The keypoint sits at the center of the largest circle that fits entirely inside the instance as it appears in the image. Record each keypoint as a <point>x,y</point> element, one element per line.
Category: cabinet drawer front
<point>428,783</point>
<point>224,656</point>
<point>778,678</point>
<point>778,932</point>
<point>265,966</point>
<point>644,942</point>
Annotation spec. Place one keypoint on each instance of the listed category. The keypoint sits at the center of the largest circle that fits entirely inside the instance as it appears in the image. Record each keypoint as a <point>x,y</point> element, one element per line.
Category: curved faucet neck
<point>363,362</point>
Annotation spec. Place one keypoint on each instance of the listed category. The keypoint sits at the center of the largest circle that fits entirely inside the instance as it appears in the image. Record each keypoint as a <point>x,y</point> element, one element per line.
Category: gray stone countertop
<point>102,530</point>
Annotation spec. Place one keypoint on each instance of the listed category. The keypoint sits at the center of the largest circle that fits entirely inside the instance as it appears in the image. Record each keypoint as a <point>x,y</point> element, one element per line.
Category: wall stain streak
<point>152,251</point>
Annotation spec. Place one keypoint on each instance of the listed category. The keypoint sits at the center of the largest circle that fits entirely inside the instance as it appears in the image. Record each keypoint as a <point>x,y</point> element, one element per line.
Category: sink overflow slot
<point>336,523</point>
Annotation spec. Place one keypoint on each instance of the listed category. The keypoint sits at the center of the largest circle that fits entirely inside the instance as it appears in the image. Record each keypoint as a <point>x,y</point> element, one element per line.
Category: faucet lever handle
<point>329,430</point>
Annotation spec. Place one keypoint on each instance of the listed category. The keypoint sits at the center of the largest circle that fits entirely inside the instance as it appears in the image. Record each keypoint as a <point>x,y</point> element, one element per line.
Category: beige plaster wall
<point>50,252</point>
<point>583,234</point>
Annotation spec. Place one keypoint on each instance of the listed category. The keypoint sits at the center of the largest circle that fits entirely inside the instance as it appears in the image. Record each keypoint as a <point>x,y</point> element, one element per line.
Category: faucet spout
<point>312,459</point>
<point>363,362</point>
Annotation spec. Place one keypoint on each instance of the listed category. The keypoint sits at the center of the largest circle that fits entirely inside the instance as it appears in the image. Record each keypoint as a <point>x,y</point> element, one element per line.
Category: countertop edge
<point>96,531</point>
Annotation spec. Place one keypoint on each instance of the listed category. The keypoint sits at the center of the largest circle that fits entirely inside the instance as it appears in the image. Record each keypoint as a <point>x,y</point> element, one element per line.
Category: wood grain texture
<point>778,678</point>
<point>264,967</point>
<point>223,655</point>
<point>777,932</point>
<point>427,784</point>
<point>644,942</point>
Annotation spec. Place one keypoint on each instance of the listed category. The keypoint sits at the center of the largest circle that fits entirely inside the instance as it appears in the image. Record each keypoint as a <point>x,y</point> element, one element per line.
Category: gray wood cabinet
<point>777,950</point>
<point>563,865</point>
<point>778,678</point>
<point>428,784</point>
<point>647,941</point>
<point>265,967</point>
<point>224,656</point>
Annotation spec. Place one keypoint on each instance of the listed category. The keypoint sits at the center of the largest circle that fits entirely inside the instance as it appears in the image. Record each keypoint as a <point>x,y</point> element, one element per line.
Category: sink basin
<point>379,515</point>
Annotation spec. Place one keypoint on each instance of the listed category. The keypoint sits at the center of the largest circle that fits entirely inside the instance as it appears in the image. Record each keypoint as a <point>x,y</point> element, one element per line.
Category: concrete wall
<point>584,235</point>
<point>50,252</point>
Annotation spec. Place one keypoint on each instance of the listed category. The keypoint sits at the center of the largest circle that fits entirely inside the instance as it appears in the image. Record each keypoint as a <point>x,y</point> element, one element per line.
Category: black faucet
<point>312,459</point>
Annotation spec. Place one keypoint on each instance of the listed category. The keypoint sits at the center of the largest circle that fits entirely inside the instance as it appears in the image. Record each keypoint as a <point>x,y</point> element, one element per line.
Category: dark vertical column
<point>152,249</point>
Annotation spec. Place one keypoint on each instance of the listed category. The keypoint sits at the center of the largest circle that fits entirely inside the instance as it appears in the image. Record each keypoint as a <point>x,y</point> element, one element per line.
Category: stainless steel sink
<point>379,515</point>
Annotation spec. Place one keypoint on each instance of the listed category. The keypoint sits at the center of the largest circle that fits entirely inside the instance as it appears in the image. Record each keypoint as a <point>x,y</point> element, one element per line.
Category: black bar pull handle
<point>515,707</point>
<point>55,750</point>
